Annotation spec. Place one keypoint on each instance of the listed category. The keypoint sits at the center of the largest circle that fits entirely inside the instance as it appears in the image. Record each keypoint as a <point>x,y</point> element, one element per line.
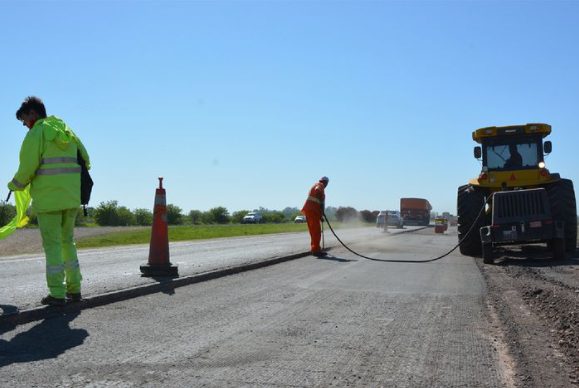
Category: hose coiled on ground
<point>413,261</point>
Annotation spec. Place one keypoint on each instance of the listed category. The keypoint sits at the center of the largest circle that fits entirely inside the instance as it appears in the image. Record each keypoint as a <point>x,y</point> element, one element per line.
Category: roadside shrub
<point>90,211</point>
<point>207,218</point>
<point>274,218</point>
<point>195,217</point>
<point>290,212</point>
<point>220,215</point>
<point>81,219</point>
<point>143,217</point>
<point>7,213</point>
<point>346,214</point>
<point>263,210</point>
<point>125,217</point>
<point>111,214</point>
<point>106,213</point>
<point>174,215</point>
<point>367,216</point>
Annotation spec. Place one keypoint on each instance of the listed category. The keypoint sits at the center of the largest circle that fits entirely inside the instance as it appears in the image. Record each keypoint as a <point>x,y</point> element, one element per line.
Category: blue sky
<point>245,104</point>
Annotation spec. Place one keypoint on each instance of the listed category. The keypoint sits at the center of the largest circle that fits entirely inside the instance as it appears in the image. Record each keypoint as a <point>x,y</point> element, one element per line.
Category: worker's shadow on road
<point>330,257</point>
<point>8,309</point>
<point>48,339</point>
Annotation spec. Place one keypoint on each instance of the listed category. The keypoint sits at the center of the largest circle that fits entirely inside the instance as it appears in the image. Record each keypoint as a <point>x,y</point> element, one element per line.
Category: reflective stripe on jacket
<point>48,162</point>
<point>316,199</point>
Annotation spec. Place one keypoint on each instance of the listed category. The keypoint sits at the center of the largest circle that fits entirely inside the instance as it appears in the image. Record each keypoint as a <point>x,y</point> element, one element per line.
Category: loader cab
<point>512,156</point>
<point>516,147</point>
<point>512,153</point>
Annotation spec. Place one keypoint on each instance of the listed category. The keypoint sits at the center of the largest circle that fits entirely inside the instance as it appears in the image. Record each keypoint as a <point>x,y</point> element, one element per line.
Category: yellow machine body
<point>528,177</point>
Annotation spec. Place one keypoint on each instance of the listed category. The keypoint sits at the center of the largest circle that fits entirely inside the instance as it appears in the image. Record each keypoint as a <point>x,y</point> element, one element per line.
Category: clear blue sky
<point>247,103</point>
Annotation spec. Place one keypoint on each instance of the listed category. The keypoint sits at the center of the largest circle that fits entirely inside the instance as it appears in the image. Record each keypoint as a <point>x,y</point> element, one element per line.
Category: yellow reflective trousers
<point>57,230</point>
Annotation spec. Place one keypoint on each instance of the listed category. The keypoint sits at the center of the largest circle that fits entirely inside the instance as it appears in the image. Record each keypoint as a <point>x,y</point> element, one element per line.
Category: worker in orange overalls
<point>314,211</point>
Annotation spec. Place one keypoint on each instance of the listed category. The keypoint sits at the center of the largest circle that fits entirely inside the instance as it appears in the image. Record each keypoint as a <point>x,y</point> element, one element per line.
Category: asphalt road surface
<point>336,321</point>
<point>23,284</point>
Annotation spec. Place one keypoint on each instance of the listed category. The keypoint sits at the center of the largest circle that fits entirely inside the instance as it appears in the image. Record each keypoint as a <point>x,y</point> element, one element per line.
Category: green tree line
<point>112,214</point>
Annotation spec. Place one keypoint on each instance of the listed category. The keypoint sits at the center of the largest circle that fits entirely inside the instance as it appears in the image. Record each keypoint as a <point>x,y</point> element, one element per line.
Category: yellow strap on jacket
<point>22,199</point>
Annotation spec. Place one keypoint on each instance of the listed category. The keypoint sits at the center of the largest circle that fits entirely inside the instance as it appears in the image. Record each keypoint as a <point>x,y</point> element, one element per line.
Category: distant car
<point>300,219</point>
<point>394,219</point>
<point>252,218</point>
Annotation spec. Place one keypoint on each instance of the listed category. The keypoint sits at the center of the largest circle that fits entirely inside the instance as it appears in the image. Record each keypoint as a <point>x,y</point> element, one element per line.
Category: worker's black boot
<point>73,297</point>
<point>320,254</point>
<point>52,301</point>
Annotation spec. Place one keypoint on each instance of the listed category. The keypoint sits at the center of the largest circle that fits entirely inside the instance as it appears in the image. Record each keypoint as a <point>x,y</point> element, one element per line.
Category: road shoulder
<point>533,336</point>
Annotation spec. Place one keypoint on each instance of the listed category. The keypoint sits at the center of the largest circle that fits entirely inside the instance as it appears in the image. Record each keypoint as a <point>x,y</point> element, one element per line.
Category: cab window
<point>512,155</point>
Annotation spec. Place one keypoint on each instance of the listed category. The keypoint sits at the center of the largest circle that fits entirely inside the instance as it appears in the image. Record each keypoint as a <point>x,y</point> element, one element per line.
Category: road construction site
<point>116,269</point>
<point>334,321</point>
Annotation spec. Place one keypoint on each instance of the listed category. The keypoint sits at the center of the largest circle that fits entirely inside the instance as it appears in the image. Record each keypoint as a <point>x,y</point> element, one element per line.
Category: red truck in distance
<point>416,211</point>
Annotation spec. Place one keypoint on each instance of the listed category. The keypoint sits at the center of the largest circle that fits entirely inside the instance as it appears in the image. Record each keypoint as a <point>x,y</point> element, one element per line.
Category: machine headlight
<point>541,164</point>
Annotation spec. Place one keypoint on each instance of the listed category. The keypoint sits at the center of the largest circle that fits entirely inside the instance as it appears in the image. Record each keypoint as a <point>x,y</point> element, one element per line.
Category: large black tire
<point>470,200</point>
<point>564,208</point>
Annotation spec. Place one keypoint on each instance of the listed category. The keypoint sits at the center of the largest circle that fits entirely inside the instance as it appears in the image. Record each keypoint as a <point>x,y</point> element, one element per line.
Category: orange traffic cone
<point>159,264</point>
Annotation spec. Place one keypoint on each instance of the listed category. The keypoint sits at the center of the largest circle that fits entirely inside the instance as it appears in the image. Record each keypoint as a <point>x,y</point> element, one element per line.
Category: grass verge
<point>198,232</point>
<point>185,233</point>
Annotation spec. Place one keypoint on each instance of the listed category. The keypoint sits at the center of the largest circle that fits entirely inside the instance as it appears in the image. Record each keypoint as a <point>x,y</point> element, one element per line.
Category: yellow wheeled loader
<point>515,199</point>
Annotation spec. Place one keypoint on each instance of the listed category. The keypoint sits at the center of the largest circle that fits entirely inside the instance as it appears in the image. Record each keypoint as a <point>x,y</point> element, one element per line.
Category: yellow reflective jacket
<point>48,162</point>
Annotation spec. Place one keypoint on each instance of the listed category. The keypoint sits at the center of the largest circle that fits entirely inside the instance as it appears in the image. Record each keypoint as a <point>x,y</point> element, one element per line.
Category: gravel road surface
<point>339,321</point>
<point>537,302</point>
<point>23,284</point>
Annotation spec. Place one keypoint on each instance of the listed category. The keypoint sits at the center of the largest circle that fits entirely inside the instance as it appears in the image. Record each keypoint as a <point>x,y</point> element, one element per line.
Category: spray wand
<point>323,242</point>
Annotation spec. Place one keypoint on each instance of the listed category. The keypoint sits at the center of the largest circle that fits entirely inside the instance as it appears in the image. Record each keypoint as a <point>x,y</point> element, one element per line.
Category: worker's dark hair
<point>31,103</point>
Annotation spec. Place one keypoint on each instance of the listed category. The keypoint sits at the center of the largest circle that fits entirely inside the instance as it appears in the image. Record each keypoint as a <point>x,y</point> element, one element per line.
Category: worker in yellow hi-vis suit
<point>49,164</point>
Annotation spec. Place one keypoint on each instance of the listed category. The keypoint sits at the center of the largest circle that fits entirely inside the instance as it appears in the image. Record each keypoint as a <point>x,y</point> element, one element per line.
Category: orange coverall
<point>313,209</point>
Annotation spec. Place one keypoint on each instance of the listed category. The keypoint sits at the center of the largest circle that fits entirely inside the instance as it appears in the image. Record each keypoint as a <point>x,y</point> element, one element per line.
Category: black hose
<point>413,261</point>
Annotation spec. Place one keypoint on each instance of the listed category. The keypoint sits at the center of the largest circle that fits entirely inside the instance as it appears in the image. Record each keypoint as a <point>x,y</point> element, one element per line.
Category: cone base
<point>159,270</point>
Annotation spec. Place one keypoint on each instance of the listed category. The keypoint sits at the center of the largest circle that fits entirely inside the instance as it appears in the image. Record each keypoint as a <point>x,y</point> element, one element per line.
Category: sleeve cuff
<point>14,187</point>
